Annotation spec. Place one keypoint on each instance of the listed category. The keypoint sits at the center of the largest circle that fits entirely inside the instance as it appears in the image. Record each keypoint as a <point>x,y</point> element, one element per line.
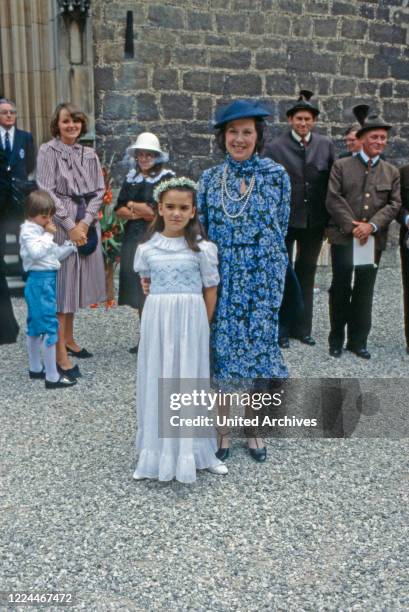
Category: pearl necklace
<point>244,196</point>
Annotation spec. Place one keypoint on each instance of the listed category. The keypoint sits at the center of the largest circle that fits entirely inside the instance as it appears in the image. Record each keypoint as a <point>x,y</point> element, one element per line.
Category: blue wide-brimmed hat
<point>239,109</point>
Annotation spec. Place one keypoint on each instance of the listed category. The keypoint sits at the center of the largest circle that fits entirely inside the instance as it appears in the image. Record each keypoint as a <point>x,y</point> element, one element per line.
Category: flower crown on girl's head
<point>173,183</point>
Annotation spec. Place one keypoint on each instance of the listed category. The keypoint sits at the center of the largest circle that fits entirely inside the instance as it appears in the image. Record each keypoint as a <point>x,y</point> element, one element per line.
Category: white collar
<point>298,138</point>
<point>10,131</point>
<point>134,176</point>
<point>366,158</point>
<point>168,244</point>
<point>33,227</point>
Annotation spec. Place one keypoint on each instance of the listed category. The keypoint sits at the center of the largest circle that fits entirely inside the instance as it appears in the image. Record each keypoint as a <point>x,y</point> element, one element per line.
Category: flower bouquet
<point>112,230</point>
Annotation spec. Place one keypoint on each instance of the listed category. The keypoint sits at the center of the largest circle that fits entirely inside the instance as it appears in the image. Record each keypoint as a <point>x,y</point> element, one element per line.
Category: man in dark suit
<point>307,157</point>
<point>403,219</point>
<point>17,161</point>
<point>363,199</point>
<point>353,144</point>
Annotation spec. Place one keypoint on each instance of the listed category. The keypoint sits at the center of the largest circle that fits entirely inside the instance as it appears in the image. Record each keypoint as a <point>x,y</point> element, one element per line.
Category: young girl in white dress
<point>174,343</point>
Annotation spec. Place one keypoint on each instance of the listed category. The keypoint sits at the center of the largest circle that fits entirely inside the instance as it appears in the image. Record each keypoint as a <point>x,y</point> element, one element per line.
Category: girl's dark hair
<point>259,125</point>
<point>76,115</point>
<point>39,202</point>
<point>194,231</point>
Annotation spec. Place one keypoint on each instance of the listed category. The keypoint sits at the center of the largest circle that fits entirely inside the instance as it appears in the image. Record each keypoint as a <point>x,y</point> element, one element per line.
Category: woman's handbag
<point>92,242</point>
<point>92,236</point>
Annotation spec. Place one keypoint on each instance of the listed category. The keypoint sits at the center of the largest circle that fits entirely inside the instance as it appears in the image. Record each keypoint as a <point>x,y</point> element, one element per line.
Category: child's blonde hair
<point>39,202</point>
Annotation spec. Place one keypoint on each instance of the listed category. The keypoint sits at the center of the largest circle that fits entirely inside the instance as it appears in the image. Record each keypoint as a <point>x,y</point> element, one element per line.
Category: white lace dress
<point>174,344</point>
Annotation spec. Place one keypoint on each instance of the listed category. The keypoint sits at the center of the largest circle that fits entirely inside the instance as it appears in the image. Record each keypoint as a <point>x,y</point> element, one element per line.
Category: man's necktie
<point>369,164</point>
<point>304,142</point>
<point>7,147</point>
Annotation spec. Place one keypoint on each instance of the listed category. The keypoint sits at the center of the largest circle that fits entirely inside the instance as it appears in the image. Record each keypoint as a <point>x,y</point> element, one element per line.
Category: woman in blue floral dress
<point>244,206</point>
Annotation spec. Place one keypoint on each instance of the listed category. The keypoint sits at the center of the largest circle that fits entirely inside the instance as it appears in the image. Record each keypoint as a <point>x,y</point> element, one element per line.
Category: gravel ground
<point>323,525</point>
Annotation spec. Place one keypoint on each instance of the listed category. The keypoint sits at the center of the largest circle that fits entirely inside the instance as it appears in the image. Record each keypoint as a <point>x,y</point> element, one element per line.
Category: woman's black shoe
<point>62,383</point>
<point>72,373</point>
<point>81,354</point>
<point>223,454</point>
<point>134,349</point>
<point>258,454</point>
<point>284,342</point>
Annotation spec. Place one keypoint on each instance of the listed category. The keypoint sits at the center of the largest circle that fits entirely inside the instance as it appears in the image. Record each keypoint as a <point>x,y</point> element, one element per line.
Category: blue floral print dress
<point>253,262</point>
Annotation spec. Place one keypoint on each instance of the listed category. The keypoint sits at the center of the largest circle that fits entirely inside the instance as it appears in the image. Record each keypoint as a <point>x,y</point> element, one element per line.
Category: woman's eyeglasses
<point>8,112</point>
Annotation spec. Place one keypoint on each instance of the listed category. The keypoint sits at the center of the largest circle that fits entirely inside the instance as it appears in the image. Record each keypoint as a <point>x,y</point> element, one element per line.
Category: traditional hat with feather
<point>368,120</point>
<point>304,102</point>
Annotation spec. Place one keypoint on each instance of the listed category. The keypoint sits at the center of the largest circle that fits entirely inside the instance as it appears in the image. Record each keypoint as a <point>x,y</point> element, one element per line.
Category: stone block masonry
<point>191,56</point>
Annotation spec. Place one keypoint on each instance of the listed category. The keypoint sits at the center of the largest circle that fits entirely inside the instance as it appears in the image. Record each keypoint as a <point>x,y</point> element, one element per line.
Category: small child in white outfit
<point>41,258</point>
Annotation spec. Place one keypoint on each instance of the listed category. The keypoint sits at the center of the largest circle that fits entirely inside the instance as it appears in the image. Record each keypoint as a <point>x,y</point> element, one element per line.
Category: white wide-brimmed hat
<point>148,142</point>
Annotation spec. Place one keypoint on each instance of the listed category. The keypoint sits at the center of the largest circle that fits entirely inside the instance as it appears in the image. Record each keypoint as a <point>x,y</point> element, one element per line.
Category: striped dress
<point>65,171</point>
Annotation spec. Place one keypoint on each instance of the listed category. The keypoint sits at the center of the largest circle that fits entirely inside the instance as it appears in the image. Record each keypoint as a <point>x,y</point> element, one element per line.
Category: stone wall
<point>189,56</point>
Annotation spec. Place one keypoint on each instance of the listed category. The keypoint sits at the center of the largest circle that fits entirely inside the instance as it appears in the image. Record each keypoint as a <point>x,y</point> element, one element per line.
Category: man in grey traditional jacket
<point>363,198</point>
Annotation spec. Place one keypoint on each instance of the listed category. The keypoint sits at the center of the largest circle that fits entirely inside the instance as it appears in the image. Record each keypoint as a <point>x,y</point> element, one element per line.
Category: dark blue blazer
<point>22,155</point>
<point>19,166</point>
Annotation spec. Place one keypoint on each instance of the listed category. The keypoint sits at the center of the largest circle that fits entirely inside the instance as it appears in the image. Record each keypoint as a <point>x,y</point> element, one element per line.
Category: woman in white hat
<point>136,205</point>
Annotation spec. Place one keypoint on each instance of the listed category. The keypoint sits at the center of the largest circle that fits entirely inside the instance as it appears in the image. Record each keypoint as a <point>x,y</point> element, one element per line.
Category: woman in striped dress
<point>71,174</point>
